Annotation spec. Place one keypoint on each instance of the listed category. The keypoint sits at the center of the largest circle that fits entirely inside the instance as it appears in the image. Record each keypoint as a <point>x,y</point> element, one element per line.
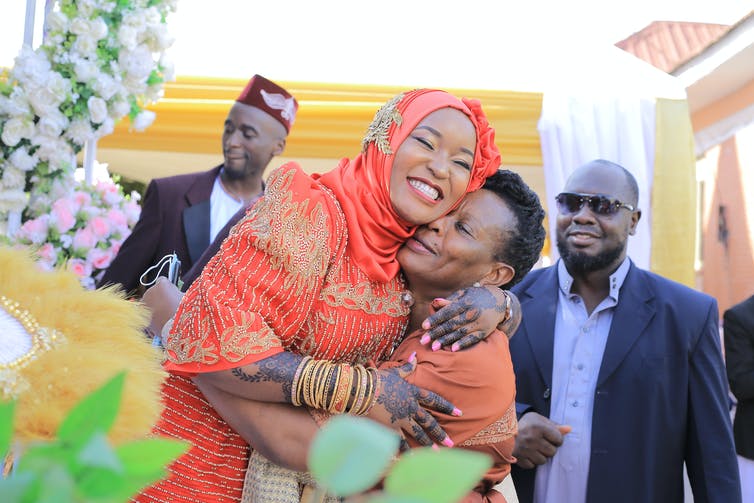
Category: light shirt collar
<point>565,280</point>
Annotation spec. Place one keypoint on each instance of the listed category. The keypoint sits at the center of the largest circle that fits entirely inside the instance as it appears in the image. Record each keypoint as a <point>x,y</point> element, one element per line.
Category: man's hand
<point>162,299</point>
<point>538,439</point>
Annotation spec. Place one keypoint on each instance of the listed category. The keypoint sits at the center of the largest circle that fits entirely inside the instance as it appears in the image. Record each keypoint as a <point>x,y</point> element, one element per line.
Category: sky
<point>471,43</point>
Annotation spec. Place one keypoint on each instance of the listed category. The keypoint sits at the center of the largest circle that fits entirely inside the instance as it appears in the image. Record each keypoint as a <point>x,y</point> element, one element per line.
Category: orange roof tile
<point>668,44</point>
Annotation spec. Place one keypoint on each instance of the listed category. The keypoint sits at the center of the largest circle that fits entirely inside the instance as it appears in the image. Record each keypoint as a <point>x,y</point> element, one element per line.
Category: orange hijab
<point>362,185</point>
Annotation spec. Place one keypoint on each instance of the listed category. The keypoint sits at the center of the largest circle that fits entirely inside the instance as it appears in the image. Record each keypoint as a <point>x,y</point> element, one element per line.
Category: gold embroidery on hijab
<point>378,129</point>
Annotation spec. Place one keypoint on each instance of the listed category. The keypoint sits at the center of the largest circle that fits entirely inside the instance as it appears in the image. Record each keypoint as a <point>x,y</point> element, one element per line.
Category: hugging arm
<point>382,395</point>
<point>471,314</point>
<point>280,432</point>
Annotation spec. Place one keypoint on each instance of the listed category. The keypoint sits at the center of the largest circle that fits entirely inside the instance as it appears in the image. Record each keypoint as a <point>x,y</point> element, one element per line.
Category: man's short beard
<point>580,263</point>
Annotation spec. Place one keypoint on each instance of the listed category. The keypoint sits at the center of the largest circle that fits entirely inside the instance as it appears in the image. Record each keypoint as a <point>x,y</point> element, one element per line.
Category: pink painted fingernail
<point>457,412</point>
<point>426,325</point>
<point>455,347</point>
<point>447,442</point>
<point>435,447</point>
<point>412,358</point>
<point>425,339</point>
<point>435,345</point>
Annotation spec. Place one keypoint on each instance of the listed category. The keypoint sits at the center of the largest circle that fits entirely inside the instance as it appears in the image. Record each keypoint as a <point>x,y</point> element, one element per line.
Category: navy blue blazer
<point>661,396</point>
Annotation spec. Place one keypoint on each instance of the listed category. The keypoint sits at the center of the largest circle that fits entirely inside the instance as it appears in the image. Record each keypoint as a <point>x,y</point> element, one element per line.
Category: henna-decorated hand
<point>401,405</point>
<point>470,315</point>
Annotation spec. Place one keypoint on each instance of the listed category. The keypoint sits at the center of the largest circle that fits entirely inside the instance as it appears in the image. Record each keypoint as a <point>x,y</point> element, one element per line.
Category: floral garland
<point>100,61</point>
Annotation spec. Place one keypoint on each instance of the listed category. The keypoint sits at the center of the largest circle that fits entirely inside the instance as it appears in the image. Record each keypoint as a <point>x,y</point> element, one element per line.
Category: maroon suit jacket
<point>175,217</point>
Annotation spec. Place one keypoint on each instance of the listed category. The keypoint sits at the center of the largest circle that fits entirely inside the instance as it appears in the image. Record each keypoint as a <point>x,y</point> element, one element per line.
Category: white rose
<point>31,66</point>
<point>85,70</point>
<point>85,45</point>
<point>160,39</point>
<point>143,120</point>
<point>137,63</point>
<point>56,151</point>
<point>168,69</point>
<point>52,124</point>
<point>12,200</point>
<point>105,86</point>
<point>16,104</point>
<point>106,128</point>
<point>80,131</point>
<point>152,16</point>
<point>43,101</point>
<point>86,7</point>
<point>13,178</point>
<point>79,26</point>
<point>21,159</point>
<point>59,86</point>
<point>127,37</point>
<point>97,109</point>
<point>16,129</point>
<point>98,28</point>
<point>56,21</point>
<point>120,108</point>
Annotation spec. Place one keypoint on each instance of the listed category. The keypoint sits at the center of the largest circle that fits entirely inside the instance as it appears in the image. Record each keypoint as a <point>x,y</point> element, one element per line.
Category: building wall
<point>726,251</point>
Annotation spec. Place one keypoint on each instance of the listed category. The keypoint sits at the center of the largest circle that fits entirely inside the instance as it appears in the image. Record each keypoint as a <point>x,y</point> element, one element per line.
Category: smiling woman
<point>306,290</point>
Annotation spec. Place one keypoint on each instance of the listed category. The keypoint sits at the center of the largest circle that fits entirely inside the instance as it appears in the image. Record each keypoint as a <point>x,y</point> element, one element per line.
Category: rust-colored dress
<point>311,269</point>
<point>479,381</point>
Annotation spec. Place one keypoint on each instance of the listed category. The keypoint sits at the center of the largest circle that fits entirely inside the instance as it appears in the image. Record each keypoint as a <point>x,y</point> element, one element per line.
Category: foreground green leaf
<point>7,409</point>
<point>95,413</point>
<point>350,454</point>
<point>443,476</point>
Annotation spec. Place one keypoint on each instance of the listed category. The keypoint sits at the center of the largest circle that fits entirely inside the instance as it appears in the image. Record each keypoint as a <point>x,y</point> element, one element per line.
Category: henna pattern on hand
<point>277,368</point>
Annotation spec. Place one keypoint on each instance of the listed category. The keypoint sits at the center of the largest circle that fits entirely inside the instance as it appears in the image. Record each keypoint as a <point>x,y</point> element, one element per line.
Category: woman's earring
<point>477,284</point>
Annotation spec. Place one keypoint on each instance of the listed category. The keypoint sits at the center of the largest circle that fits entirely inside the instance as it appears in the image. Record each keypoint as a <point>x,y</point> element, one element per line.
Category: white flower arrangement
<point>100,60</point>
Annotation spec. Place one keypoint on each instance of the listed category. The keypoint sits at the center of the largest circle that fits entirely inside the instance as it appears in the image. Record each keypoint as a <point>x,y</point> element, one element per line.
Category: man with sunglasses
<point>619,373</point>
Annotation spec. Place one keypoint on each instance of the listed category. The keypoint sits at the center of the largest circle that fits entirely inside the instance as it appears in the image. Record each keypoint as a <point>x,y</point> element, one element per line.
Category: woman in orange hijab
<point>306,290</point>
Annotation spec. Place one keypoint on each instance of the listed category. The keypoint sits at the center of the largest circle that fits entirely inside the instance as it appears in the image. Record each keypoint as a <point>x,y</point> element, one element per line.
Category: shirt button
<point>580,366</point>
<point>575,403</point>
<point>585,329</point>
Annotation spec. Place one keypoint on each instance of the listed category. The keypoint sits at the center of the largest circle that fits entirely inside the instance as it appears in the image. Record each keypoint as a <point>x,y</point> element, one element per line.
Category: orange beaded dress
<point>311,269</point>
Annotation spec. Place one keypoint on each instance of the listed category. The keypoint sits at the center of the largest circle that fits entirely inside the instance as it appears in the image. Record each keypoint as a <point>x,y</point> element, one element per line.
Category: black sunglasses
<point>569,203</point>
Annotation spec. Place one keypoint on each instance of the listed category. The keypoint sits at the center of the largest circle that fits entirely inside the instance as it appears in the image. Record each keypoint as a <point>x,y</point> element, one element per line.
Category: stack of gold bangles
<point>339,388</point>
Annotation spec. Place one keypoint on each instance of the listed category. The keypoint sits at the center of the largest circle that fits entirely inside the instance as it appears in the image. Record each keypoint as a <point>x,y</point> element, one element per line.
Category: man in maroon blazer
<point>184,213</point>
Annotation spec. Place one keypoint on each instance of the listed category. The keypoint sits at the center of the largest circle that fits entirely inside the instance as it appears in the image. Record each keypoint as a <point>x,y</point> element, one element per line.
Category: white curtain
<point>575,129</point>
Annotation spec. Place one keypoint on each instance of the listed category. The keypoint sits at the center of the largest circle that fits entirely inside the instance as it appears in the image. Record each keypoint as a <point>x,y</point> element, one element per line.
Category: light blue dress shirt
<point>578,346</point>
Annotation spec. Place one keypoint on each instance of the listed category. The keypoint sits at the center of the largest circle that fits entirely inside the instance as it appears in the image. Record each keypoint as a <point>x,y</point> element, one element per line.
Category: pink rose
<point>79,267</point>
<point>99,258</point>
<point>82,199</point>
<point>34,230</point>
<point>48,253</point>
<point>63,215</point>
<point>100,227</point>
<point>84,240</point>
<point>132,210</point>
<point>117,219</point>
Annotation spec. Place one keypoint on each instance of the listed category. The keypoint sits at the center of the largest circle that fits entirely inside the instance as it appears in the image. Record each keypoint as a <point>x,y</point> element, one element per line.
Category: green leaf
<point>97,453</point>
<point>95,413</point>
<point>57,486</point>
<point>443,476</point>
<point>350,454</point>
<point>7,410</point>
<point>14,488</point>
<point>149,456</point>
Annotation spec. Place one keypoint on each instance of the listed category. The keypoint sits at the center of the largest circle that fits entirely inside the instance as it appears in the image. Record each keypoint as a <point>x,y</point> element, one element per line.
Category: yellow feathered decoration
<point>102,335</point>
